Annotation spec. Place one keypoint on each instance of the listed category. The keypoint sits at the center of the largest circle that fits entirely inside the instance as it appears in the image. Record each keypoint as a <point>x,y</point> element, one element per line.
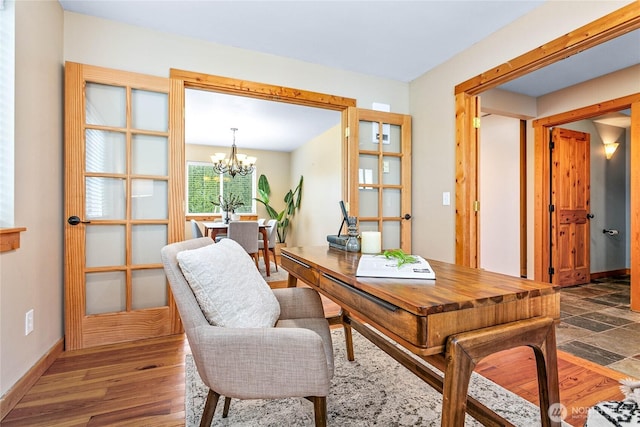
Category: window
<point>204,186</point>
<point>7,91</point>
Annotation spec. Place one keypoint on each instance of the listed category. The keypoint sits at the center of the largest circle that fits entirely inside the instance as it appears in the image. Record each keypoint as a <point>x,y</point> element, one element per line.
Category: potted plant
<point>292,203</point>
<point>228,204</point>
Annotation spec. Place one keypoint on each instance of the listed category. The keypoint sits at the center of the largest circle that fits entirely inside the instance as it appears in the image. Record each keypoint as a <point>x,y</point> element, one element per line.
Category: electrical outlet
<point>28,322</point>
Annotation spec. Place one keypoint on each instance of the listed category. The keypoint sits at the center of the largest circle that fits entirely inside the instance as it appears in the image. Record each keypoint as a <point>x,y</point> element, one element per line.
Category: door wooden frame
<point>542,127</point>
<point>355,116</point>
<point>599,31</point>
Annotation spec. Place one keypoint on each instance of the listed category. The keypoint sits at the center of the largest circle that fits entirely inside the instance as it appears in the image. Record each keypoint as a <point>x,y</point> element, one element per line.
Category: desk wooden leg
<point>348,337</point>
<point>292,281</point>
<point>466,349</point>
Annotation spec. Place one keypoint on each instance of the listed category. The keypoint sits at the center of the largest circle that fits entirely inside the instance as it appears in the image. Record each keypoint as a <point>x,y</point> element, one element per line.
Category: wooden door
<point>570,199</point>
<point>118,194</point>
<point>379,174</point>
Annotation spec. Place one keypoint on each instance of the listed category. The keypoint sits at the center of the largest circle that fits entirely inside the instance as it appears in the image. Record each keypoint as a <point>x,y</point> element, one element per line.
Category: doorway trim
<point>181,80</point>
<point>610,26</point>
<point>541,128</point>
<point>604,29</point>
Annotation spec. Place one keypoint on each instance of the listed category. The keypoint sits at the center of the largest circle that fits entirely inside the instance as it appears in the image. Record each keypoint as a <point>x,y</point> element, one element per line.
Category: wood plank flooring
<point>142,384</point>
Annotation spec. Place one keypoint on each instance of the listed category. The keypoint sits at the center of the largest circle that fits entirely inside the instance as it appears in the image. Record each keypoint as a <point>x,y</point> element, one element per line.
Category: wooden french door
<point>570,198</point>
<point>379,174</point>
<point>118,193</point>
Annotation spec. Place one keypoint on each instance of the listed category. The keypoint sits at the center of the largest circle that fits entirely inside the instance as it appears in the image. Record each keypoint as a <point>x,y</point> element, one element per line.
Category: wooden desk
<point>214,228</point>
<point>451,322</point>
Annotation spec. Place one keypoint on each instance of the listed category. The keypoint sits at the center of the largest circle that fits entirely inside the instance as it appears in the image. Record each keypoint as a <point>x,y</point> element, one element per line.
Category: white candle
<point>371,242</point>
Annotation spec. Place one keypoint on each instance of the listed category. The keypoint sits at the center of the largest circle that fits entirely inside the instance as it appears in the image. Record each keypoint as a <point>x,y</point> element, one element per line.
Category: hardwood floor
<point>142,384</point>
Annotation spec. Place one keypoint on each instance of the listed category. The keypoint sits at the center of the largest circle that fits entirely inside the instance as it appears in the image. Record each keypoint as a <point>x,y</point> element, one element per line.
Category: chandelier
<point>236,164</point>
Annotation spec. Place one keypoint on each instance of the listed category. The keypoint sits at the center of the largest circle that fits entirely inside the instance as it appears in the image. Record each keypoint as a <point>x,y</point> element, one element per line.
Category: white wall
<point>500,195</point>
<point>32,276</point>
<point>433,110</point>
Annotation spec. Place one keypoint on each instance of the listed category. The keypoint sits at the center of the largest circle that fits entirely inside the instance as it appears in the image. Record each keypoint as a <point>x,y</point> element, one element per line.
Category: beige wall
<point>105,43</point>
<point>319,162</point>
<point>32,276</point>
<point>433,111</point>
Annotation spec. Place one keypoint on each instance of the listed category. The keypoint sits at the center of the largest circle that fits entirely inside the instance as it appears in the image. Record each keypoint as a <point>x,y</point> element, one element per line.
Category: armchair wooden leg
<point>320,410</point>
<point>227,403</point>
<point>209,408</point>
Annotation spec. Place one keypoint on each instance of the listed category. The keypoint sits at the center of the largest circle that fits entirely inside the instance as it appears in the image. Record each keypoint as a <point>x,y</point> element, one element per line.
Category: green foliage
<point>229,202</point>
<point>205,188</point>
<point>400,256</point>
<point>291,200</point>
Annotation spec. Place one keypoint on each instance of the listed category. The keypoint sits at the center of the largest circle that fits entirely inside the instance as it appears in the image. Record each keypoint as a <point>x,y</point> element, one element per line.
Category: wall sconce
<point>609,149</point>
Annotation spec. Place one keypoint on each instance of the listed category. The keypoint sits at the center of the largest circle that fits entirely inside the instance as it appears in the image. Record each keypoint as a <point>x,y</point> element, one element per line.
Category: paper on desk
<point>380,266</point>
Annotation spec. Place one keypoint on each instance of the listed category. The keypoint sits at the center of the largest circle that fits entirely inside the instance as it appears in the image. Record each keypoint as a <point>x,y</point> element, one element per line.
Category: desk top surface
<point>455,287</point>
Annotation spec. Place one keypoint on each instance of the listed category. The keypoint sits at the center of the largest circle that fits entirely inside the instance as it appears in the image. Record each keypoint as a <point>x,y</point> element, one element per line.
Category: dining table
<point>212,229</point>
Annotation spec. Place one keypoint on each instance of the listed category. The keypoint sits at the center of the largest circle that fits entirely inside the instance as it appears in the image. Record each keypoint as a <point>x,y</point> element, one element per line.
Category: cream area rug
<point>274,275</point>
<point>373,390</point>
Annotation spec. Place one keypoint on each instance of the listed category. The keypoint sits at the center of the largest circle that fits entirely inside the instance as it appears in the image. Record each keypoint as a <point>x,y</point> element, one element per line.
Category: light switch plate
<point>446,198</point>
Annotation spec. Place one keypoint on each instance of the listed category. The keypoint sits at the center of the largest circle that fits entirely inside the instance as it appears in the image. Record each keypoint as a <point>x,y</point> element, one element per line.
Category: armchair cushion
<point>228,286</point>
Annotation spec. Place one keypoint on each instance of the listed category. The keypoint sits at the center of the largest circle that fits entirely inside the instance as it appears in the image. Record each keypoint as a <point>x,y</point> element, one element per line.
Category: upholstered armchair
<point>293,357</point>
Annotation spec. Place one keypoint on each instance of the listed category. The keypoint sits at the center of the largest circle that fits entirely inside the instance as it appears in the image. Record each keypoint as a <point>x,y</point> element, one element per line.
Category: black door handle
<point>74,220</point>
<point>589,216</point>
<point>406,216</point>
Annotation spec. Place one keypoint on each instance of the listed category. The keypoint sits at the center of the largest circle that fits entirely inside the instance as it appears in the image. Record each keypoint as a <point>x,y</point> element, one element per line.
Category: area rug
<point>274,275</point>
<point>372,390</point>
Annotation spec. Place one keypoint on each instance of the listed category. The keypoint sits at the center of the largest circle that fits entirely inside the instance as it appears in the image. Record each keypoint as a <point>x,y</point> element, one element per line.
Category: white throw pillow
<point>228,286</point>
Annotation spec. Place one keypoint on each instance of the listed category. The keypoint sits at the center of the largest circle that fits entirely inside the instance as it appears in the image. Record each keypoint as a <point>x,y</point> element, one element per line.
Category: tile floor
<point>597,325</point>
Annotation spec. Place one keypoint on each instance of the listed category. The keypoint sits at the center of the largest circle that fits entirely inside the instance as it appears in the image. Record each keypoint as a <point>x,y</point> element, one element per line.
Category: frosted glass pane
<point>367,138</point>
<point>367,170</point>
<point>149,199</point>
<point>149,155</point>
<point>104,198</point>
<point>391,170</point>
<point>105,245</point>
<point>106,292</point>
<point>105,105</point>
<point>105,151</point>
<point>146,242</point>
<point>150,110</point>
<point>390,235</point>
<point>149,289</point>
<point>391,202</point>
<point>368,226</point>
<point>394,143</point>
<point>368,203</point>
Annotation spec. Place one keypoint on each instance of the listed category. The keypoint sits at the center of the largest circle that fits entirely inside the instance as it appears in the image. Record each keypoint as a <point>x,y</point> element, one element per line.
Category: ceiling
<point>365,31</point>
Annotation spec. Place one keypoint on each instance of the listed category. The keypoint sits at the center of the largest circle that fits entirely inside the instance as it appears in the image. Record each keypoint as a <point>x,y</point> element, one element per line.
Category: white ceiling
<point>378,38</point>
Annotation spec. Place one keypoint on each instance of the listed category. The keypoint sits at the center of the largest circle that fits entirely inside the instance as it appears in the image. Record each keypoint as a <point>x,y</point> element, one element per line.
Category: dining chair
<point>244,233</point>
<point>246,344</point>
<point>196,232</point>
<point>272,234</point>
